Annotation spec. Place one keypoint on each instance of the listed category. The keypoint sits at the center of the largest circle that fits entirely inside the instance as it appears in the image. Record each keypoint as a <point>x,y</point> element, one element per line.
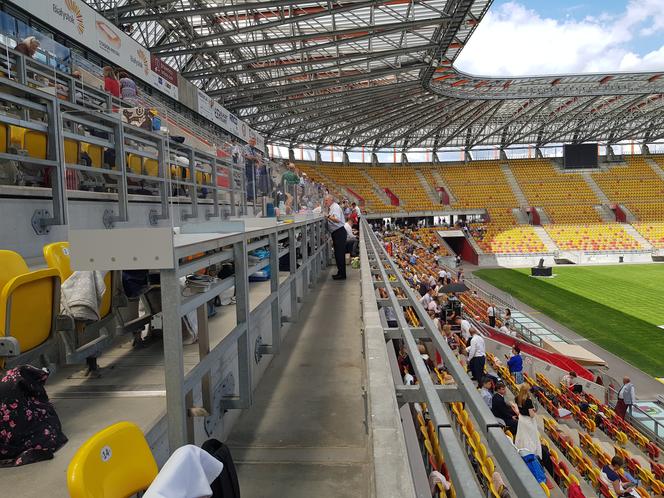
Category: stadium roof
<point>379,73</point>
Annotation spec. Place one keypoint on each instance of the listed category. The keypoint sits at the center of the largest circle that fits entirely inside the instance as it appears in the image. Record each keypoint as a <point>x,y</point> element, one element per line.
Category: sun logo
<point>144,59</point>
<point>76,10</point>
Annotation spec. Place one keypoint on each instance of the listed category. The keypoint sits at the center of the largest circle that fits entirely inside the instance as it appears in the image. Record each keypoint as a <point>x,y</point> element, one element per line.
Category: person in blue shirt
<point>612,474</point>
<point>515,364</point>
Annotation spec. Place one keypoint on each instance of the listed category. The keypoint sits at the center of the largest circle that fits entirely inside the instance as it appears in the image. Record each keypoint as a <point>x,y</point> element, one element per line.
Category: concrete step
<point>428,188</point>
<point>544,218</point>
<point>595,188</point>
<point>514,185</point>
<point>546,238</point>
<point>637,236</point>
<point>605,213</point>
<point>656,167</point>
<point>628,214</point>
<point>521,216</point>
<point>440,182</point>
<point>377,188</point>
<point>475,245</point>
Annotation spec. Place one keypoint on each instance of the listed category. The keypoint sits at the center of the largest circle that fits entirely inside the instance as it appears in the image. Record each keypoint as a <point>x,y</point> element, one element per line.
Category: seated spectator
<point>612,474</point>
<point>352,244</point>
<point>570,381</point>
<point>28,46</point>
<point>502,410</point>
<point>486,391</point>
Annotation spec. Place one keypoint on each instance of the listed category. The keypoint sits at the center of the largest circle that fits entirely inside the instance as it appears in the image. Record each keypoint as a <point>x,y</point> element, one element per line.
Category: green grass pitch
<point>617,307</point>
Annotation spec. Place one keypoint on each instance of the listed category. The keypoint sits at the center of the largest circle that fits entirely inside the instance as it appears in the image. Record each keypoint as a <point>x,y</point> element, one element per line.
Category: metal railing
<point>387,276</point>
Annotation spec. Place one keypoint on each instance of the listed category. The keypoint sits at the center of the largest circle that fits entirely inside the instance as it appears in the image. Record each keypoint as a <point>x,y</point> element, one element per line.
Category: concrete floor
<point>304,436</point>
<point>647,387</point>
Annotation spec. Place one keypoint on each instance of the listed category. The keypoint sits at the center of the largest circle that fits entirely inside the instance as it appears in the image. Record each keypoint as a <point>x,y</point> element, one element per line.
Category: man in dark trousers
<point>502,410</point>
<point>335,225</point>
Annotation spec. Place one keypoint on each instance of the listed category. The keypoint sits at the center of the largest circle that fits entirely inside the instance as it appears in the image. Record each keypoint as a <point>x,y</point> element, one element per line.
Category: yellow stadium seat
<point>3,138</point>
<point>134,164</point>
<point>57,256</point>
<point>71,151</point>
<point>151,167</point>
<point>29,301</point>
<point>36,143</point>
<point>116,462</point>
<point>95,153</point>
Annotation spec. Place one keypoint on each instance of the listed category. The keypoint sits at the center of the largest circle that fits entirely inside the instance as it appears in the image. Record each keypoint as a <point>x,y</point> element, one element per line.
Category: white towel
<point>188,473</point>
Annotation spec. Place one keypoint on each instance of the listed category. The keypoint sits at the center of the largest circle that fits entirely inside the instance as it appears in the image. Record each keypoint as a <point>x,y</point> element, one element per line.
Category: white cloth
<point>408,379</point>
<point>627,393</point>
<point>426,299</point>
<point>442,274</point>
<point>465,329</point>
<point>335,210</point>
<point>349,232</point>
<point>436,477</point>
<point>188,473</point>
<point>527,435</point>
<point>477,347</point>
<point>81,295</point>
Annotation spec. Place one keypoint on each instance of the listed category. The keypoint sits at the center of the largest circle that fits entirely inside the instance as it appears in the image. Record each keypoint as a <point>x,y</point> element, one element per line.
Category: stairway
<point>595,188</point>
<point>475,245</point>
<point>656,167</point>
<point>634,233</point>
<point>514,185</point>
<point>628,214</point>
<point>605,213</point>
<point>521,216</point>
<point>440,182</point>
<point>546,239</point>
<point>385,199</point>
<point>428,188</point>
<point>544,218</point>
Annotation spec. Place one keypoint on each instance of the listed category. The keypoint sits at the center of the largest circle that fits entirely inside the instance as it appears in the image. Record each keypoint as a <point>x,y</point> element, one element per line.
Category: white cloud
<point>513,40</point>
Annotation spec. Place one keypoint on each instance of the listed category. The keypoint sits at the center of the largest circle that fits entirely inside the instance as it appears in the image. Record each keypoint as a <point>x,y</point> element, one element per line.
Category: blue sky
<point>521,37</point>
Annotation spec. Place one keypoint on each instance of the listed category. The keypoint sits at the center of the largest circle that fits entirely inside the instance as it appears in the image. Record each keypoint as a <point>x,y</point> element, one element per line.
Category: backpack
<point>226,485</point>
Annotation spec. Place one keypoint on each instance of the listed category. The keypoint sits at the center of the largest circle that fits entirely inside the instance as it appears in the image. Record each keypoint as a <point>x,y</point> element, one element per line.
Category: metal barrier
<point>196,401</point>
<point>516,473</point>
<point>143,161</point>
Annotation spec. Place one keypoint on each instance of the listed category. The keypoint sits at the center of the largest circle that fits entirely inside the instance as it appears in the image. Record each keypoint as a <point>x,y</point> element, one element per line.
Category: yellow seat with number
<point>115,462</point>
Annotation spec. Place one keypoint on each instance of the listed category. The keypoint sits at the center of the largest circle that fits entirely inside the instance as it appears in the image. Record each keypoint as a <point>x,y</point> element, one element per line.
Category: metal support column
<point>292,256</point>
<point>173,357</point>
<point>275,311</point>
<point>242,308</point>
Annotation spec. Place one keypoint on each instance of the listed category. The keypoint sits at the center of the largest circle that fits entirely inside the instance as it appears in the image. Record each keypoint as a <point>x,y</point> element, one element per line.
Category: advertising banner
<point>205,105</point>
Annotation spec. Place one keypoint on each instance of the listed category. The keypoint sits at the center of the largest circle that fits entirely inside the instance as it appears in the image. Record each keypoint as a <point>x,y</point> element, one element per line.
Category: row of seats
<point>503,235</point>
<point>599,237</point>
<point>544,185</point>
<point>633,182</point>
<point>405,184</point>
<point>29,325</point>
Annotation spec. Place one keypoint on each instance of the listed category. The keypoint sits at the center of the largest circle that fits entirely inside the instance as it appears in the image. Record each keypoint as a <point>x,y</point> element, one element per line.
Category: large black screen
<point>580,155</point>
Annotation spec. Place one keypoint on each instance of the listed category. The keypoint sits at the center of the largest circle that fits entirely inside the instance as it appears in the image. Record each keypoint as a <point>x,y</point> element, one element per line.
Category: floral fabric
<point>30,430</point>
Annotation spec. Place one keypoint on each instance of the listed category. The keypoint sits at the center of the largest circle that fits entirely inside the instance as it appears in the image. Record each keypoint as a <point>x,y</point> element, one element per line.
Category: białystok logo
<point>73,7</point>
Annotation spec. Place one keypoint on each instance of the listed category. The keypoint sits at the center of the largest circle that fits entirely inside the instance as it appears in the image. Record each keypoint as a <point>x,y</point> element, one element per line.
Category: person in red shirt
<point>111,82</point>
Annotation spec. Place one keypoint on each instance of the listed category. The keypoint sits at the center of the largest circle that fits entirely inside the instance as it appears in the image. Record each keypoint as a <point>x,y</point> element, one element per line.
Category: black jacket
<point>501,409</point>
<point>226,485</point>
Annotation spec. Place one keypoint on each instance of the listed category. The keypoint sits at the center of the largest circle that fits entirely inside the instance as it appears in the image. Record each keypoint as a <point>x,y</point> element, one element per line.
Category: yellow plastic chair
<point>29,301</point>
<point>57,256</point>
<point>116,462</point>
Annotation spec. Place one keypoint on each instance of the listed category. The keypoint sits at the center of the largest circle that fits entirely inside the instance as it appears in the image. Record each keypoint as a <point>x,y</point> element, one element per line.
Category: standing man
<point>491,313</point>
<point>626,397</point>
<point>250,154</point>
<point>335,225</point>
<point>476,356</point>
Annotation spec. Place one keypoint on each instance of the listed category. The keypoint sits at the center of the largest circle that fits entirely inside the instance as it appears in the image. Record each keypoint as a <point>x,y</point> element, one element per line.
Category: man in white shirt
<point>626,397</point>
<point>476,356</point>
<point>335,225</point>
<point>491,313</point>
<point>465,329</point>
<point>427,298</point>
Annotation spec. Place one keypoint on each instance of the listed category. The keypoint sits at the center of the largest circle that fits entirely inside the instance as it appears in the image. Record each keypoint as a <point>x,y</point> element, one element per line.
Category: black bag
<point>226,484</point>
